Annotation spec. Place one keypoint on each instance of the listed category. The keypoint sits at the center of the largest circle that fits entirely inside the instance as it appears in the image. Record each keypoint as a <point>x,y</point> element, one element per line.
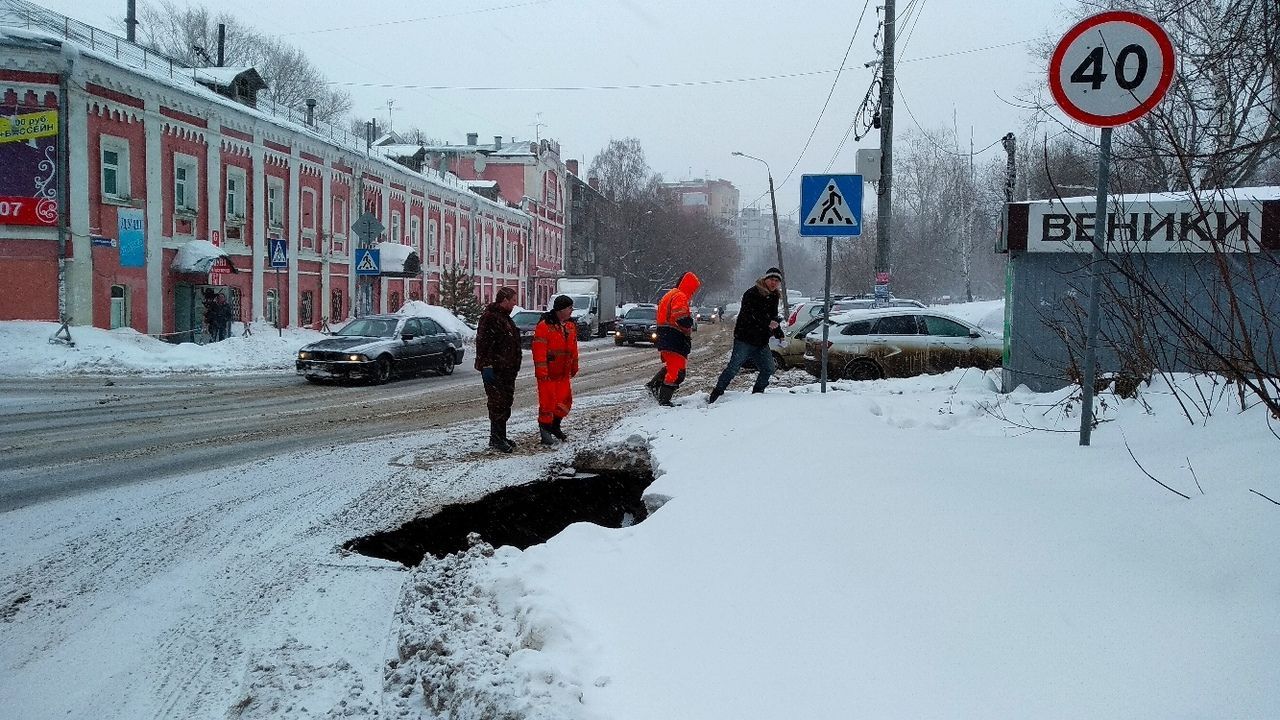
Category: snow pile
<point>28,351</point>
<point>447,320</point>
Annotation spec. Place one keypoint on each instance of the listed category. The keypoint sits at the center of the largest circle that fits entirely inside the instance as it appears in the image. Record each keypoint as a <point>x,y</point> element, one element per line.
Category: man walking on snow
<point>498,360</point>
<point>675,338</point>
<point>555,363</point>
<point>757,321</point>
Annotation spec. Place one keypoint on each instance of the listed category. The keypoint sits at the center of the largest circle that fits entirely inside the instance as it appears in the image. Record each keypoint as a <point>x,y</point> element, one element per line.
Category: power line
<point>418,19</point>
<point>929,137</point>
<point>575,88</point>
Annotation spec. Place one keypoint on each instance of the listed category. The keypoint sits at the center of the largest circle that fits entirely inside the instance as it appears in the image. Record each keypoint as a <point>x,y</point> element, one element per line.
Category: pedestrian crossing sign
<point>277,253</point>
<point>367,262</point>
<point>831,205</point>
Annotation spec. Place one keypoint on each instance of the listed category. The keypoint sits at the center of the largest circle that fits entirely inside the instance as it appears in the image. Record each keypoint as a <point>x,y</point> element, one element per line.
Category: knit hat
<point>774,273</point>
<point>562,302</point>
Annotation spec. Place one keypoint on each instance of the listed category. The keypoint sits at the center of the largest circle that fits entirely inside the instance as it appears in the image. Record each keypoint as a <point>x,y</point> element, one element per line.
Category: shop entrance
<point>189,304</point>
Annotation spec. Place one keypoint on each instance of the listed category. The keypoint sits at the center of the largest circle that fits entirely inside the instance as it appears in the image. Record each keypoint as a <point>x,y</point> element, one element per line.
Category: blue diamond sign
<point>831,205</point>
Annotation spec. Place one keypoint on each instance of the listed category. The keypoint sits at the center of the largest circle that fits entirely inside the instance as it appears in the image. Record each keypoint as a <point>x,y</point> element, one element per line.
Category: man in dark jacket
<point>498,360</point>
<point>757,321</point>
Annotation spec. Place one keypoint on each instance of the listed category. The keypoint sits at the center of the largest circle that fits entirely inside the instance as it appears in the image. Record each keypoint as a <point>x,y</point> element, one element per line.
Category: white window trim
<point>120,146</point>
<point>432,238</point>
<point>191,186</point>
<point>315,211</point>
<point>241,178</point>
<point>415,233</point>
<point>275,211</point>
<point>397,228</point>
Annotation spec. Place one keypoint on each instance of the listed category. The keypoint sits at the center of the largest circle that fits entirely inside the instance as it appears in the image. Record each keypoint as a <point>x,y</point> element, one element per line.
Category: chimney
<point>311,112</point>
<point>594,182</point>
<point>222,43</point>
<point>497,142</point>
<point>572,166</point>
<point>473,138</point>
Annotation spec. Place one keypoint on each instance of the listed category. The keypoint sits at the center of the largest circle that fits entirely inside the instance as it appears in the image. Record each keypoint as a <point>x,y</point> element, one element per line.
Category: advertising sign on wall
<point>133,245</point>
<point>28,167</point>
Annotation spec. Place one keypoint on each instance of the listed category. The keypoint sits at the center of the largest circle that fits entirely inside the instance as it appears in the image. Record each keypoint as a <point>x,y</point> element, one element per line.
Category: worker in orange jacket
<point>555,363</point>
<point>675,337</point>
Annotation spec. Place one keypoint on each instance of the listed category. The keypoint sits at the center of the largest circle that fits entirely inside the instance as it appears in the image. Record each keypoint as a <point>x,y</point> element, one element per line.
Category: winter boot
<point>546,437</point>
<point>665,393</point>
<point>655,383</point>
<point>715,395</point>
<point>497,437</point>
<point>555,429</point>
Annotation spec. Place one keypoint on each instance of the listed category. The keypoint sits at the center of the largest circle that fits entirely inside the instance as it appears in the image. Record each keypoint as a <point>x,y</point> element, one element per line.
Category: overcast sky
<point>707,55</point>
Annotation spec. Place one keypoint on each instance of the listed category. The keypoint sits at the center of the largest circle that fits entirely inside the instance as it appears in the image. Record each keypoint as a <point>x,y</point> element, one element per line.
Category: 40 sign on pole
<point>1108,70</point>
<point>1111,69</point>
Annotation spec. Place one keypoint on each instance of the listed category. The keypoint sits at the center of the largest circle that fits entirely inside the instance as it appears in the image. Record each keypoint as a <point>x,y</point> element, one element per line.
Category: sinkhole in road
<point>606,489</point>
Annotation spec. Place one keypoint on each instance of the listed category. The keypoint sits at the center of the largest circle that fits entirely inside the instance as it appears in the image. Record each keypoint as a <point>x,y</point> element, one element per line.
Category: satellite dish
<point>479,163</point>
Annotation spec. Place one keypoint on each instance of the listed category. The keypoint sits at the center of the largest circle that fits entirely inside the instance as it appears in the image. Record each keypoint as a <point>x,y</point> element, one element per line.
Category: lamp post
<point>777,239</point>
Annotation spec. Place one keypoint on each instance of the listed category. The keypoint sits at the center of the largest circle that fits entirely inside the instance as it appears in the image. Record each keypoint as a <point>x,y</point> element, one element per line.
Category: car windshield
<point>367,327</point>
<point>581,302</point>
<point>527,317</point>
<point>642,314</point>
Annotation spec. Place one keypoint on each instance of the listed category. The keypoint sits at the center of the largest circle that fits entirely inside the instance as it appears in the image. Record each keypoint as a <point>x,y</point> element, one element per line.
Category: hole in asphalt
<point>607,489</point>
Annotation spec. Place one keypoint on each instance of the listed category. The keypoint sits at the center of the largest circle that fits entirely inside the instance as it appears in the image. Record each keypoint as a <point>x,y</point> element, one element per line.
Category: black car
<point>526,321</point>
<point>376,347</point>
<point>640,324</point>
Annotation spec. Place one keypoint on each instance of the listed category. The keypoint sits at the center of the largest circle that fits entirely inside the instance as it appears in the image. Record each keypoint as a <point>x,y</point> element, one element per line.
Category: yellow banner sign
<point>20,128</point>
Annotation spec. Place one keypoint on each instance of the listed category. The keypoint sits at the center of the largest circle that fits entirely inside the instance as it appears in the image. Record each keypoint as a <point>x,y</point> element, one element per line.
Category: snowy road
<point>64,436</point>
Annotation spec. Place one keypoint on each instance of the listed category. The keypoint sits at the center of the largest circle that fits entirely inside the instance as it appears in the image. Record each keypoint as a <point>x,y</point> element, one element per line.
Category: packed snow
<point>919,548</point>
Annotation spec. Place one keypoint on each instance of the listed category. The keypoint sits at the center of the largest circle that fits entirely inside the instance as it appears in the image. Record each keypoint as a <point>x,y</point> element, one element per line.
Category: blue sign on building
<point>368,262</point>
<point>278,253</point>
<point>830,205</point>
<point>132,226</point>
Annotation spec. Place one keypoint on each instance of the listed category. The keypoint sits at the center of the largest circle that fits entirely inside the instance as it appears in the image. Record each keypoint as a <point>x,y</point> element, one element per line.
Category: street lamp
<point>777,239</point>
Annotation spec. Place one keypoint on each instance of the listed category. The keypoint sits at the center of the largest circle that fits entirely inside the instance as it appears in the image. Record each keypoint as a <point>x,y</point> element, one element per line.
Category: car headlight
<point>357,358</point>
<point>304,355</point>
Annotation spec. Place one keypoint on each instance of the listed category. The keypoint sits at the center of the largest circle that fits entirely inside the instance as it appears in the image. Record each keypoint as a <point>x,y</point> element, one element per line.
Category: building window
<point>236,187</point>
<point>308,209</point>
<point>234,301</point>
<point>393,301</point>
<point>395,228</point>
<point>273,307</point>
<point>335,306</point>
<point>186,183</point>
<point>119,306</point>
<point>305,303</point>
<point>115,167</point>
<point>339,216</point>
<point>275,202</point>
<point>431,239</point>
<point>415,233</point>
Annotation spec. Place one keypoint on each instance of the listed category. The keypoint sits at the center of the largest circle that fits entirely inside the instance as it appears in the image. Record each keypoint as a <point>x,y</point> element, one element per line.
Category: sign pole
<point>1100,234</point>
<point>826,315</point>
<point>279,331</point>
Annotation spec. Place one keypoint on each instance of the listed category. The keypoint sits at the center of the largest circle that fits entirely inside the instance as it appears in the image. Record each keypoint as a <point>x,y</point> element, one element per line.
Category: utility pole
<point>884,205</point>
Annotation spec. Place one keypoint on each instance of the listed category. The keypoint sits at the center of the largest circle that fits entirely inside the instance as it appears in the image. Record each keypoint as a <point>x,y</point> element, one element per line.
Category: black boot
<point>655,383</point>
<point>665,393</point>
<point>555,429</point>
<point>546,437</point>
<point>497,437</point>
<point>715,395</point>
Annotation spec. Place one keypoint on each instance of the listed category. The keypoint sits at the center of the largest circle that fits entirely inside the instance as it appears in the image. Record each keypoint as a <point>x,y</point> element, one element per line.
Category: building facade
<point>178,180</point>
<point>718,199</point>
<point>590,217</point>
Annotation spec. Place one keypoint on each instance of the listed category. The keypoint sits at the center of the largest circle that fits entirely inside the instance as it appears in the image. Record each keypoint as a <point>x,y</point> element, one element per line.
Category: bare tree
<point>189,33</point>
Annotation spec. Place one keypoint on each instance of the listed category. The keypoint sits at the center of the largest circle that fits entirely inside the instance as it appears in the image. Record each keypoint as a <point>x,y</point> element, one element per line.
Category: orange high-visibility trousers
<point>675,363</point>
<point>555,399</point>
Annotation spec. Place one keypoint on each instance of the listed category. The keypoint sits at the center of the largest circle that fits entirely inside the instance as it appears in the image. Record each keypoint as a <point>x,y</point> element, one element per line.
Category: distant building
<point>590,213</point>
<point>718,199</point>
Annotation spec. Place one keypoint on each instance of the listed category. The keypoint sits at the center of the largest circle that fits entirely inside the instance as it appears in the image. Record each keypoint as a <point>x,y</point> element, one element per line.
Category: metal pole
<point>1100,232</point>
<point>884,204</point>
<point>279,330</point>
<point>826,313</point>
<point>63,144</point>
<point>777,240</point>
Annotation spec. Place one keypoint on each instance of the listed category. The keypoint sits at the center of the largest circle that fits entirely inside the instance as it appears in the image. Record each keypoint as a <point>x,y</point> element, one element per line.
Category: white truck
<point>595,303</point>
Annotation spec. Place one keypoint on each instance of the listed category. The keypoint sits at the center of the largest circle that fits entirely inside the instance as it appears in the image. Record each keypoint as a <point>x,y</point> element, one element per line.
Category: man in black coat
<point>498,360</point>
<point>758,320</point>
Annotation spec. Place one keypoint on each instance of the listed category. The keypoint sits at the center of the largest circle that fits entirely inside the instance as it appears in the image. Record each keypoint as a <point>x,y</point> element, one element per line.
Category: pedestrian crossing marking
<point>367,264</point>
<point>277,257</point>
<point>832,209</point>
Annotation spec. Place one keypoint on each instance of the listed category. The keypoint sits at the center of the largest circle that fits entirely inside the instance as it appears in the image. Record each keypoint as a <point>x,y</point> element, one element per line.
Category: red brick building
<point>178,178</point>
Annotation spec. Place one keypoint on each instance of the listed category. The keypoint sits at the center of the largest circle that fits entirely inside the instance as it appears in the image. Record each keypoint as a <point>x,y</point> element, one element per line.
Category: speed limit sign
<point>1111,68</point>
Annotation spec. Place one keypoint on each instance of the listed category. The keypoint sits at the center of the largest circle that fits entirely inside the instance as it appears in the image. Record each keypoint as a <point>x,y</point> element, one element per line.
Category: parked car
<point>900,342</point>
<point>640,324</point>
<point>379,347</point>
<point>813,308</point>
<point>526,321</point>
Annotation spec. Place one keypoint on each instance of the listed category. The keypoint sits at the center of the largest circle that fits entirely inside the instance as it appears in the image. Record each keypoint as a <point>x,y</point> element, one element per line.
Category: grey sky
<point>687,131</point>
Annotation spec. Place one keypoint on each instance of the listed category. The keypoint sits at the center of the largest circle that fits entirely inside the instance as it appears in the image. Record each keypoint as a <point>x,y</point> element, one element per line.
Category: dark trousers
<point>741,352</point>
<point>501,393</point>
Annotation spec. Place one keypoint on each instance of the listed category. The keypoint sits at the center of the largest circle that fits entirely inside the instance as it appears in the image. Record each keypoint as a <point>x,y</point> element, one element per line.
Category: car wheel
<point>446,368</point>
<point>382,370</point>
<point>861,369</point>
<point>314,380</point>
<point>778,362</point>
